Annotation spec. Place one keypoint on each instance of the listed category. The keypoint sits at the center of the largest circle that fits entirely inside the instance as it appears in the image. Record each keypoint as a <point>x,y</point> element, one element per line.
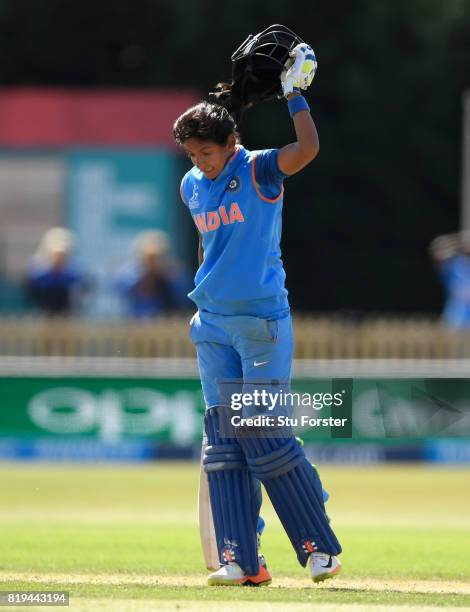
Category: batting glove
<point>299,71</point>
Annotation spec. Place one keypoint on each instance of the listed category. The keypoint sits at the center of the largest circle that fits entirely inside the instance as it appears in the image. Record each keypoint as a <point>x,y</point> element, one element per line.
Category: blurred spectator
<point>154,283</point>
<point>451,252</point>
<point>54,282</point>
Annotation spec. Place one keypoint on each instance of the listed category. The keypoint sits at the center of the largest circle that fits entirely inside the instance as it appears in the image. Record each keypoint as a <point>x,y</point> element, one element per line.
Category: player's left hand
<point>299,71</point>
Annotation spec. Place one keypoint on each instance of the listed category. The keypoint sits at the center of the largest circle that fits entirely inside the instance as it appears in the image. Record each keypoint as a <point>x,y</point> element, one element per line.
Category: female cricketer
<point>243,330</point>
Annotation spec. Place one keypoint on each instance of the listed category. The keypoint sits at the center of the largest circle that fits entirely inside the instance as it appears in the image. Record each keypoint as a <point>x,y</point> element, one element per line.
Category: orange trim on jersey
<point>258,192</point>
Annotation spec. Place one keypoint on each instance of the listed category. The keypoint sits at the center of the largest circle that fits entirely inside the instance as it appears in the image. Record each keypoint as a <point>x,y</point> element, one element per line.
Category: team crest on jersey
<point>193,201</point>
<point>235,184</point>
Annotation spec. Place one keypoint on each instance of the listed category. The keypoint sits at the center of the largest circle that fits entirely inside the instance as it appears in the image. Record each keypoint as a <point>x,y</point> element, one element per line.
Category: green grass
<point>121,537</point>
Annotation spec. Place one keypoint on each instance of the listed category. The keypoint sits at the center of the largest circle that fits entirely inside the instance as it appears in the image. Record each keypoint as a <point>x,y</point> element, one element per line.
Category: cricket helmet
<point>256,69</point>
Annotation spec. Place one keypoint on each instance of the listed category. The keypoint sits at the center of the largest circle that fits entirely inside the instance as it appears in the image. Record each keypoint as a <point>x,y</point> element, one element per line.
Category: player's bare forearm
<point>200,251</point>
<point>307,143</point>
<point>295,156</point>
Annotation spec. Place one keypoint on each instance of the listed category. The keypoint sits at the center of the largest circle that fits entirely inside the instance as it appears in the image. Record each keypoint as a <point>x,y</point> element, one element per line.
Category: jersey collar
<point>231,164</point>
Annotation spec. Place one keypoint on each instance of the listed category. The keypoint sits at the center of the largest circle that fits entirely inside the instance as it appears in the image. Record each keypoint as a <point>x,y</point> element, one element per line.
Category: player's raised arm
<point>295,156</point>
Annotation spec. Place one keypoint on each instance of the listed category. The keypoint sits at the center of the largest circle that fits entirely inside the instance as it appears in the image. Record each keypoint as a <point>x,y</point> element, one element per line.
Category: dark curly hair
<point>205,121</point>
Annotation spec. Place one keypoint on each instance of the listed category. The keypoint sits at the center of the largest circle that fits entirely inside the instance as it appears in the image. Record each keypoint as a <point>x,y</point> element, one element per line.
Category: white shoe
<point>232,574</point>
<point>323,566</point>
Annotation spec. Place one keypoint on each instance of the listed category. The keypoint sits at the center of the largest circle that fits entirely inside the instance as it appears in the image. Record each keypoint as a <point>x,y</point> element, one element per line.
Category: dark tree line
<point>386,100</point>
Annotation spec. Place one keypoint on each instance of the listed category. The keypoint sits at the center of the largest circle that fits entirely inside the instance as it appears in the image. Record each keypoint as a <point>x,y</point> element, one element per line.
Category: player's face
<point>209,156</point>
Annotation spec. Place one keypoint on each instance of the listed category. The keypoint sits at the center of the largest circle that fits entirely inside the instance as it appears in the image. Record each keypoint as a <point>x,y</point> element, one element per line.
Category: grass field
<point>126,538</point>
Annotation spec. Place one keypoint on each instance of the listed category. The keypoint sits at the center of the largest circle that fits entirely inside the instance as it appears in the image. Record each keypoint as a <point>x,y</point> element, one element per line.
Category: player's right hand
<point>299,69</point>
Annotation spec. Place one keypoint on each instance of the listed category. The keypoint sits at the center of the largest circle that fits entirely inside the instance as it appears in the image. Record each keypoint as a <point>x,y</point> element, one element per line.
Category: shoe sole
<point>322,577</point>
<point>237,583</point>
<point>263,578</point>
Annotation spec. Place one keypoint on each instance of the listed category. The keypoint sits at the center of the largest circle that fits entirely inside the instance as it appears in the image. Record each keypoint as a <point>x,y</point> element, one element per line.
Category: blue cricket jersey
<point>242,272</point>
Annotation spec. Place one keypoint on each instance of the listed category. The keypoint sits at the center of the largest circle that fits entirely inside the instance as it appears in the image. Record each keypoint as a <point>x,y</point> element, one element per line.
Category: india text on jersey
<point>210,221</point>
